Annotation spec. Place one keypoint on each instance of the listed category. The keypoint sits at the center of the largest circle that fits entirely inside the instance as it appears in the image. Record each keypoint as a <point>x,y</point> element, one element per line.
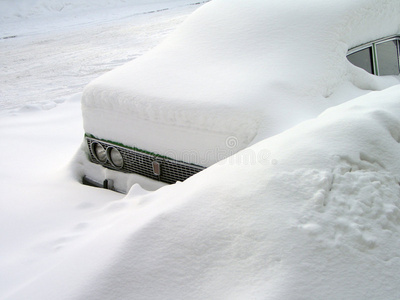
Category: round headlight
<point>115,157</point>
<point>99,152</point>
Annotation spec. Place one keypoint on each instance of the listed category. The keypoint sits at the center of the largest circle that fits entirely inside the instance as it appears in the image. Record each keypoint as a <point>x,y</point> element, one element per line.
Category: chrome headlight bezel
<point>115,157</point>
<point>99,152</point>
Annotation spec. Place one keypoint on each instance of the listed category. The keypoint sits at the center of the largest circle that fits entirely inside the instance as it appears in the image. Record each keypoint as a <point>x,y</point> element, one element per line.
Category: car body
<point>234,73</point>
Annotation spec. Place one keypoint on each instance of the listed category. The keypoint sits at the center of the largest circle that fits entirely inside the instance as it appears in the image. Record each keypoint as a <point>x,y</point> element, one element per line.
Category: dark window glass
<point>388,60</point>
<point>362,59</point>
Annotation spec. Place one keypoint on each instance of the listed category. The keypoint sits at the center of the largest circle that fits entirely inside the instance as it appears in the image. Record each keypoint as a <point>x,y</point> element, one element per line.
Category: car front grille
<point>147,164</point>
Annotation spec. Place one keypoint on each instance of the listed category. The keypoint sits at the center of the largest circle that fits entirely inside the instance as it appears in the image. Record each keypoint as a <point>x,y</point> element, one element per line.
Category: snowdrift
<point>314,211</point>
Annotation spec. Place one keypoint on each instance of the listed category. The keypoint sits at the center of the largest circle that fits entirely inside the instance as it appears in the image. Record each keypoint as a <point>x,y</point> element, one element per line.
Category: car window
<point>379,57</point>
<point>362,59</point>
<point>388,58</point>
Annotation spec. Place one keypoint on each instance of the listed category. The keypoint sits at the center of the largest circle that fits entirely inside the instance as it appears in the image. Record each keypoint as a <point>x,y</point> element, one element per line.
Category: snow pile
<point>314,211</point>
<point>217,77</point>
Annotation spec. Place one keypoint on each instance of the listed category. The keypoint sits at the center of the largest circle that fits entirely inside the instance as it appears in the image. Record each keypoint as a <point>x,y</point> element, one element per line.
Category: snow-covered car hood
<point>237,71</point>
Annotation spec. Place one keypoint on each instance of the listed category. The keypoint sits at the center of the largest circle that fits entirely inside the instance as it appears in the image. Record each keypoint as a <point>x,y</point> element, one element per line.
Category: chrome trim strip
<point>370,44</point>
<point>375,63</point>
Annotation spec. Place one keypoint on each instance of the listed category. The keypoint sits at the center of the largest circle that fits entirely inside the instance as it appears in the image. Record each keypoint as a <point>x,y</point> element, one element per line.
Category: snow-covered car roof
<point>241,69</point>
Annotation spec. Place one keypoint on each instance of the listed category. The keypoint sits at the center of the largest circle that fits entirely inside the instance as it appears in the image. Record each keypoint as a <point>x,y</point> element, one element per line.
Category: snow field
<point>315,212</point>
<point>76,47</point>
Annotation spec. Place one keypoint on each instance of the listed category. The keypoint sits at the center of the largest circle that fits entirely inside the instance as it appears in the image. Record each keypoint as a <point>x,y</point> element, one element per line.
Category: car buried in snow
<point>234,73</point>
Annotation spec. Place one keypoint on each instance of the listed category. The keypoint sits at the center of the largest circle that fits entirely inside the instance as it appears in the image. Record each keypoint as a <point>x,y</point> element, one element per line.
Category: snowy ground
<point>44,60</point>
<point>312,213</point>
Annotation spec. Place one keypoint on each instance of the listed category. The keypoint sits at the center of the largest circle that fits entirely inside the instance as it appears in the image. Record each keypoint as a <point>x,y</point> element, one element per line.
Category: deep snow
<point>312,213</point>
